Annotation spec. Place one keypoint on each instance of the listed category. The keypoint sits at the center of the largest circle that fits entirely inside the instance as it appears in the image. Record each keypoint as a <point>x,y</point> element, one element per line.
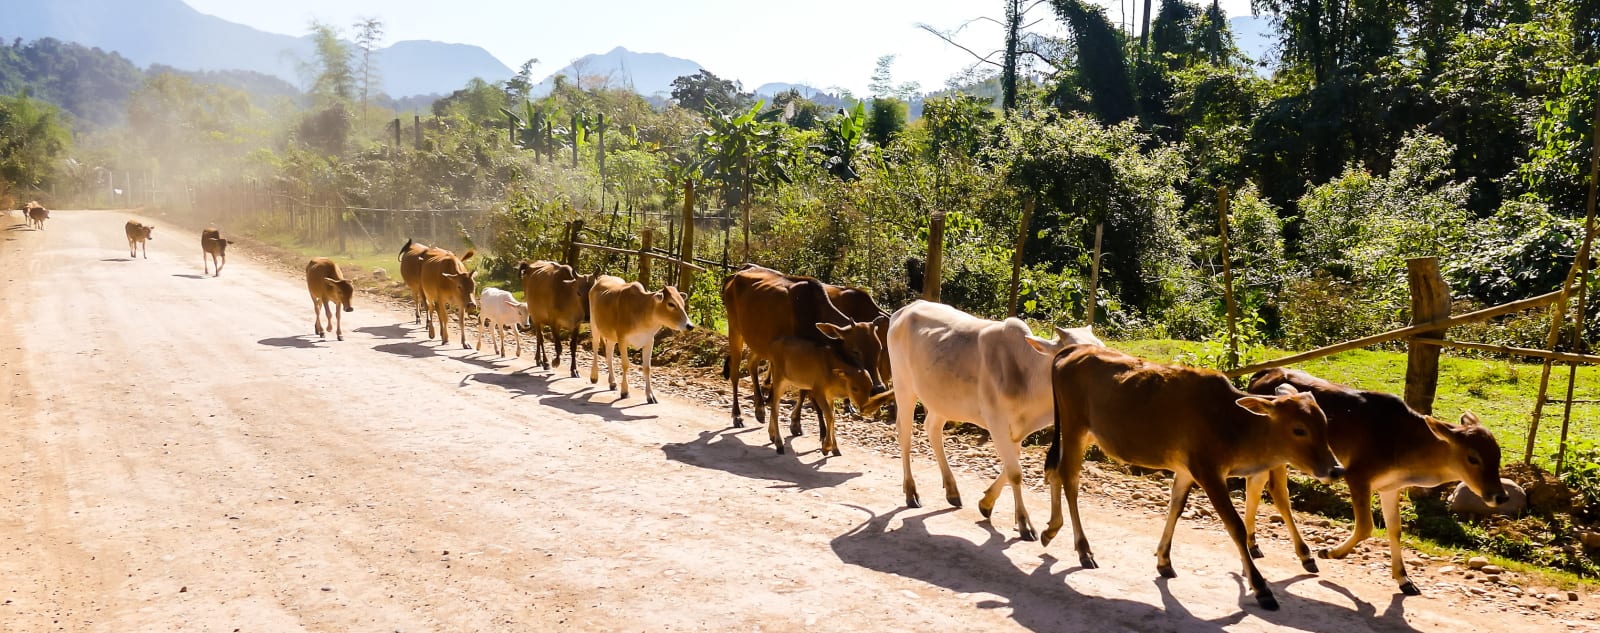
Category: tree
<point>519,86</point>
<point>331,77</point>
<point>883,86</point>
<point>1101,70</point>
<point>705,93</point>
<point>887,119</point>
<point>369,31</point>
<point>33,138</point>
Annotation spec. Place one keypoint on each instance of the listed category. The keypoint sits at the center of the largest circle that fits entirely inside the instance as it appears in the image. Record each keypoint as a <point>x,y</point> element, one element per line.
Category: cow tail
<point>405,248</point>
<point>727,367</point>
<point>1052,457</point>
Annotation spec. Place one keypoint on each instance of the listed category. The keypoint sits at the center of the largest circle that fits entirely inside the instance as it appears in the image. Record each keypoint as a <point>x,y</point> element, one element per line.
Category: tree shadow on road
<point>303,341</point>
<point>535,386</point>
<point>721,450</point>
<point>389,332</point>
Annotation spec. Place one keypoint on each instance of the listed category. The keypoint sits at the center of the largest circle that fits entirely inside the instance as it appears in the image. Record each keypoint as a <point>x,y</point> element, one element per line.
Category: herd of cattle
<point>831,342</point>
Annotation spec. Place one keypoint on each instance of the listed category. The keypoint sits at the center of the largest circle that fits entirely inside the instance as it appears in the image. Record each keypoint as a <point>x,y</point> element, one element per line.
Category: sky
<point>823,43</point>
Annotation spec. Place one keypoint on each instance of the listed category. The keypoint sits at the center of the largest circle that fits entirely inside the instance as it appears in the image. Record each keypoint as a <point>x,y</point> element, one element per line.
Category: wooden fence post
<point>1430,301</point>
<point>645,237</point>
<point>686,253</point>
<point>1016,256</point>
<point>1094,277</point>
<point>573,229</point>
<point>931,278</point>
<point>416,126</point>
<point>1227,279</point>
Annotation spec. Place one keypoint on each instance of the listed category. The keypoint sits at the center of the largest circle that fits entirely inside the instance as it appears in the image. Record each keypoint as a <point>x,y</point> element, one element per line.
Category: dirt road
<point>180,454</point>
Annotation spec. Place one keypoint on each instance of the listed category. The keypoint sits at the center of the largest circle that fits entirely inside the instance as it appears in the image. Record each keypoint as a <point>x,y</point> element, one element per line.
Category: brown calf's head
<point>149,231</point>
<point>860,345</point>
<point>1298,430</point>
<point>669,310</point>
<point>1474,455</point>
<point>342,289</point>
<point>859,387</point>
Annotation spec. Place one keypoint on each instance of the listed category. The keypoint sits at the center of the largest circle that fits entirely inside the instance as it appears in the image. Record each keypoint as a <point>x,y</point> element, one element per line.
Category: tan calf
<point>1386,447</point>
<point>558,298</point>
<point>1188,420</point>
<point>139,233</point>
<point>822,372</point>
<point>328,289</point>
<point>412,256</point>
<point>212,245</point>
<point>623,314</point>
<point>446,282</point>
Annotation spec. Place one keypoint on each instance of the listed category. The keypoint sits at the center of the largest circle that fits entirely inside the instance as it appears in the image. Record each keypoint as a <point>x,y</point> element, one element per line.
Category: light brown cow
<point>1188,420</point>
<point>139,233</point>
<point>822,372</point>
<point>329,289</point>
<point>446,282</point>
<point>412,255</point>
<point>623,314</point>
<point>764,305</point>
<point>37,214</point>
<point>559,299</point>
<point>1386,447</point>
<point>212,245</point>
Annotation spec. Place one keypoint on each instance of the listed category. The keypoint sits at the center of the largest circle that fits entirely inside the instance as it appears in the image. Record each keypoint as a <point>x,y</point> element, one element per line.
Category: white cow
<point>973,370</point>
<point>500,310</point>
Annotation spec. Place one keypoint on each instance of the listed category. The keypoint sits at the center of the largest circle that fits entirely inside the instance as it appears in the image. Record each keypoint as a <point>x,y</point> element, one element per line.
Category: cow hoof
<point>1255,552</point>
<point>780,448</point>
<point>985,511</point>
<point>341,337</point>
<point>650,399</point>
<point>836,453</point>
<point>1323,553</point>
<point>1166,571</point>
<point>1310,564</point>
<point>954,501</point>
<point>913,502</point>
<point>1409,589</point>
<point>1086,561</point>
<point>1027,534</point>
<point>1265,599</point>
<point>737,423</point>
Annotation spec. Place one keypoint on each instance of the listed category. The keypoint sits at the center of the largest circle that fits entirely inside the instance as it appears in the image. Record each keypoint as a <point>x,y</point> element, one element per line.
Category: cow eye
<point>1300,432</point>
<point>1473,459</point>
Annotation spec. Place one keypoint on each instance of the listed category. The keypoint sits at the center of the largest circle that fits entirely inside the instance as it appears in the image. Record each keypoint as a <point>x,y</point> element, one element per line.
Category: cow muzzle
<point>349,309</point>
<point>1335,473</point>
<point>878,388</point>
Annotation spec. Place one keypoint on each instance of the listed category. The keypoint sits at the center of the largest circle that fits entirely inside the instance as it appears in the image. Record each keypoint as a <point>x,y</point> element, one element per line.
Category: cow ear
<point>1439,428</point>
<point>1044,346</point>
<point>830,330</point>
<point>1470,419</point>
<point>449,275</point>
<point>331,282</point>
<point>880,322</point>
<point>1255,404</point>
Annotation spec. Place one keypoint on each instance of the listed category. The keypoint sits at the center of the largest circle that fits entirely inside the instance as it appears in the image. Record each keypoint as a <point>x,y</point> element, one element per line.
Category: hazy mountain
<point>778,87</point>
<point>649,74</point>
<point>1254,36</point>
<point>172,33</point>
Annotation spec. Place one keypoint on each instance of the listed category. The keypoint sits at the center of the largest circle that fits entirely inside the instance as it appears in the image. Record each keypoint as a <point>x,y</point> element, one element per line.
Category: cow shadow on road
<point>429,349</point>
<point>1044,600</point>
<point>388,332</point>
<point>537,386</point>
<point>303,341</point>
<point>191,276</point>
<point>723,450</point>
<point>116,259</point>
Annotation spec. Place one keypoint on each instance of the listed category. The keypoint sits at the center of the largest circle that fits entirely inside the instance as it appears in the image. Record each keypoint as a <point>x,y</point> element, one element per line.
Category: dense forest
<point>1379,131</point>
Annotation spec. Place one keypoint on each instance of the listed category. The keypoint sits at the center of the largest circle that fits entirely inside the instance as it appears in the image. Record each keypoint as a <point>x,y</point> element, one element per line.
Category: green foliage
<point>33,139</point>
<point>1102,71</point>
<point>958,125</point>
<point>887,119</point>
<point>842,141</point>
<point>88,83</point>
<point>1521,251</point>
<point>705,93</point>
<point>332,78</point>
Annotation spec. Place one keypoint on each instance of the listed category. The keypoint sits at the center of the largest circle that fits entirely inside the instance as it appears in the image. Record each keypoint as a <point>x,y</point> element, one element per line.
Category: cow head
<point>466,288</point>
<point>860,345</point>
<point>149,231</point>
<point>1298,431</point>
<point>1474,455</point>
<point>343,289</point>
<point>671,311</point>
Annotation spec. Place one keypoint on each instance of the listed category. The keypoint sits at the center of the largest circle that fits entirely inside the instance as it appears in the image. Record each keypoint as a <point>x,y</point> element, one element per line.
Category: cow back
<point>556,295</point>
<point>412,256</point>
<point>457,289</point>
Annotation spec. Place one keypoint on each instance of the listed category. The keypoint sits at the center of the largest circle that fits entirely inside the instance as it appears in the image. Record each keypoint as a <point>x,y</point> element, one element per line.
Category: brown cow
<point>1188,420</point>
<point>1386,447</point>
<point>328,289</point>
<point>559,299</point>
<point>825,372</point>
<point>138,233</point>
<point>412,255</point>
<point>212,244</point>
<point>764,305</point>
<point>37,214</point>
<point>447,282</point>
<point>623,314</point>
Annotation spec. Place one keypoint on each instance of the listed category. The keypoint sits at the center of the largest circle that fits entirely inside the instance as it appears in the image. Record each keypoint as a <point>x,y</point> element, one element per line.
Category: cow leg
<point>1280,500</point>
<point>1010,473</point>
<point>327,311</point>
<point>755,386</point>
<point>133,249</point>
<point>430,309</point>
<point>572,353</point>
<point>1390,500</point>
<point>518,337</point>
<point>799,412</point>
<point>599,354</point>
<point>1253,487</point>
<point>622,355</point>
<point>461,312</point>
<point>1068,473</point>
<point>905,420</point>
<point>338,328</point>
<point>316,317</point>
<point>772,420</point>
<point>480,337</point>
<point>830,444</point>
<point>1361,506</point>
<point>735,349</point>
<point>1216,488</point>
<point>934,426</point>
<point>1182,483</point>
<point>649,395</point>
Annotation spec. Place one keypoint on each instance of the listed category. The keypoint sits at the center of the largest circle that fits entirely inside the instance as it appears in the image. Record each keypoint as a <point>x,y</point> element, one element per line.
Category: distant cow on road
<point>557,298</point>
<point>37,214</point>
<point>623,314</point>
<point>139,233</point>
<point>328,289</point>
<point>412,256</point>
<point>212,245</point>
<point>446,282</point>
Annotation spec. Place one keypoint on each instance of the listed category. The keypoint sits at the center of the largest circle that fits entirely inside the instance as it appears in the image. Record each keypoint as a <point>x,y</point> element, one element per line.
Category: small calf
<point>501,312</point>
<point>139,233</point>
<point>328,289</point>
<point>212,245</point>
<point>37,214</point>
<point>1386,447</point>
<point>822,372</point>
<point>623,314</point>
<point>1188,420</point>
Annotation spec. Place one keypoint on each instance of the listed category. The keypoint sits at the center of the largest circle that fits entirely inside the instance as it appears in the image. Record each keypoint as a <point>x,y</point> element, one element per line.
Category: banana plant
<point>843,142</point>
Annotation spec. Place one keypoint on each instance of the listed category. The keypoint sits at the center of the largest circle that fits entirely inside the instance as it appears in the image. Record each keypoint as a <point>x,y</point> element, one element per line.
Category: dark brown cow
<point>36,215</point>
<point>559,299</point>
<point>412,255</point>
<point>1386,447</point>
<point>765,305</point>
<point>447,282</point>
<point>1188,420</point>
<point>329,289</point>
<point>822,372</point>
<point>212,245</point>
<point>138,233</point>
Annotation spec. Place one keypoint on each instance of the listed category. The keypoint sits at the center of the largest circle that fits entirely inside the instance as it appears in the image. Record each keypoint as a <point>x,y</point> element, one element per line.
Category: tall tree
<point>32,139</point>
<point>331,77</point>
<point>705,92</point>
<point>1101,67</point>
<point>519,86</point>
<point>369,32</point>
